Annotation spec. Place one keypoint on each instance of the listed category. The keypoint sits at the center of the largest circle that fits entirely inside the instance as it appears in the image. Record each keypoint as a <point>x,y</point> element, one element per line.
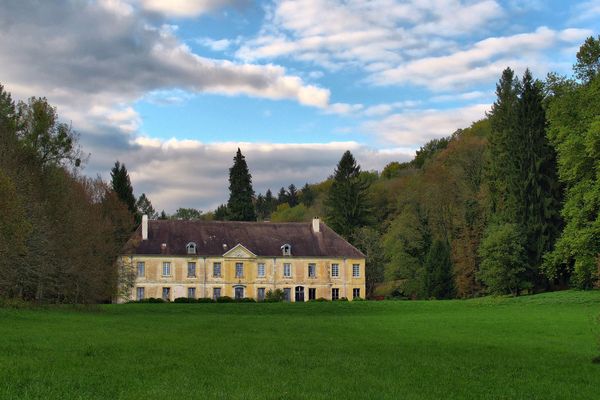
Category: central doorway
<point>299,293</point>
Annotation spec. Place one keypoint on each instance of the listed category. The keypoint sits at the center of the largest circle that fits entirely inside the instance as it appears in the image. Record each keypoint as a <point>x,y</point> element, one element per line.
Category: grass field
<point>537,347</point>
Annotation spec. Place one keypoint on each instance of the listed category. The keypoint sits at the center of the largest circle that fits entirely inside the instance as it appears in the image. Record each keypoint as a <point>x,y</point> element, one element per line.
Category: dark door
<point>239,292</point>
<point>299,293</point>
<point>312,294</point>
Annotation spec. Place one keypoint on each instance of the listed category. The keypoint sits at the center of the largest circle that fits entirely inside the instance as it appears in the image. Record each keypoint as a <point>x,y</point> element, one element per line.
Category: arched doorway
<point>299,293</point>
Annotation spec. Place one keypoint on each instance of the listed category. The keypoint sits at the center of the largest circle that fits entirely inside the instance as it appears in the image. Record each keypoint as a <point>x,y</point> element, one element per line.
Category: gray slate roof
<point>262,238</point>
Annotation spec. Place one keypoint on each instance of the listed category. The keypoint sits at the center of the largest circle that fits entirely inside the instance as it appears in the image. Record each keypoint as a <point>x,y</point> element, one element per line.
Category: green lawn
<point>537,347</point>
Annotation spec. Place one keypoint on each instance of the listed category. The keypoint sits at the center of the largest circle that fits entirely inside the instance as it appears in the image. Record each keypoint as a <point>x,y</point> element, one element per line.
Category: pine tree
<point>121,185</point>
<point>270,202</point>
<point>144,207</point>
<point>438,279</point>
<point>347,202</point>
<point>239,206</point>
<point>261,207</point>
<point>292,195</point>
<point>281,196</point>
<point>163,215</point>
<point>221,213</point>
<point>307,196</point>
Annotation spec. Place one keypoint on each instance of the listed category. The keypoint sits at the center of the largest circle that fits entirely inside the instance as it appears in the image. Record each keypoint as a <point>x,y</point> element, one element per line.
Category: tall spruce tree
<point>144,207</point>
<point>270,202</point>
<point>347,202</point>
<point>282,196</point>
<point>239,206</point>
<point>121,185</point>
<point>292,195</point>
<point>438,280</point>
<point>307,196</point>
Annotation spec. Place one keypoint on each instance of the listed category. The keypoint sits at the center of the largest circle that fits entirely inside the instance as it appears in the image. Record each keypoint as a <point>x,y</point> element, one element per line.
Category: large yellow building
<point>210,259</point>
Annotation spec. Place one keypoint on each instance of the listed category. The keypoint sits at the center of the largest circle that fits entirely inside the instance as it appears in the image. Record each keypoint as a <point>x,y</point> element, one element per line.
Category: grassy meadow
<point>536,347</point>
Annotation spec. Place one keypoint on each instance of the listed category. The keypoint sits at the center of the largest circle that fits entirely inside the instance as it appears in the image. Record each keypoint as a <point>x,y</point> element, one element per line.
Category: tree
<point>163,215</point>
<point>347,202</point>
<point>292,195</point>
<point>587,66</point>
<point>438,280</point>
<point>144,207</point>
<point>285,213</point>
<point>504,259</point>
<point>261,207</point>
<point>427,151</point>
<point>270,202</point>
<point>221,213</point>
<point>187,214</point>
<point>282,196</point>
<point>121,185</point>
<point>307,196</point>
<point>239,206</point>
<point>368,240</point>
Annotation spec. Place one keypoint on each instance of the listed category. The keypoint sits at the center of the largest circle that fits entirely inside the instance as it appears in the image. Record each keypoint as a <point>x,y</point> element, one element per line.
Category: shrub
<point>274,296</point>
<point>205,300</point>
<point>151,300</point>
<point>225,299</point>
<point>184,300</point>
<point>246,300</point>
<point>321,299</point>
<point>343,299</point>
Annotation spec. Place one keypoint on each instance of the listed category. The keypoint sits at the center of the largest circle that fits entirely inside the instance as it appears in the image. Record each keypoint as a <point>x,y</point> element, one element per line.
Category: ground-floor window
<point>335,294</point>
<point>166,293</point>
<point>299,293</point>
<point>355,293</point>
<point>140,293</point>
<point>191,292</point>
<point>216,293</point>
<point>239,292</point>
<point>260,294</point>
<point>287,294</point>
<point>312,293</point>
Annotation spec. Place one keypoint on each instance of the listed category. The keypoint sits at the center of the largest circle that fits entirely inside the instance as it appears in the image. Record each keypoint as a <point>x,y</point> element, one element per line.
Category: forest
<point>508,205</point>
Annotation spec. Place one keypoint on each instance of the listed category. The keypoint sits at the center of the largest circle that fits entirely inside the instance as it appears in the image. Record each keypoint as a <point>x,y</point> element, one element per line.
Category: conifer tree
<point>292,195</point>
<point>307,196</point>
<point>121,185</point>
<point>347,202</point>
<point>438,280</point>
<point>221,213</point>
<point>282,196</point>
<point>270,202</point>
<point>144,207</point>
<point>239,206</point>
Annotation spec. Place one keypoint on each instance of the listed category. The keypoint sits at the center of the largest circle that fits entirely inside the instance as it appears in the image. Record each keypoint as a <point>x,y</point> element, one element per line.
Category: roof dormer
<point>286,249</point>
<point>191,248</point>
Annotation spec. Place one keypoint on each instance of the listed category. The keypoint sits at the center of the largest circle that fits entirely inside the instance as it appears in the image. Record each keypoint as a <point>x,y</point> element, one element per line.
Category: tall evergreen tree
<point>292,195</point>
<point>307,196</point>
<point>240,205</point>
<point>282,196</point>
<point>261,207</point>
<point>270,202</point>
<point>347,202</point>
<point>121,185</point>
<point>144,207</point>
<point>221,213</point>
<point>438,280</point>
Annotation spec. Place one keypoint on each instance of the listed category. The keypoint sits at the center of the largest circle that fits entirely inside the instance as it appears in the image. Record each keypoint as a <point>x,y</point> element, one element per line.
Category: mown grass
<point>536,347</point>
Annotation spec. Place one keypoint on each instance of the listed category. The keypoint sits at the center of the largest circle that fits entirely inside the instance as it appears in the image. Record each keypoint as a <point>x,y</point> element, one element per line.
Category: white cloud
<point>413,128</point>
<point>188,8</point>
<point>215,45</point>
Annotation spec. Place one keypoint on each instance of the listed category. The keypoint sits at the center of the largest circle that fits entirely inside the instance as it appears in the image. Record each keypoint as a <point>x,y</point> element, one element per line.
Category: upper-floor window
<point>141,269</point>
<point>261,270</point>
<point>217,270</point>
<point>286,250</point>
<point>239,270</point>
<point>312,270</point>
<point>335,270</point>
<point>191,248</point>
<point>287,270</point>
<point>191,270</point>
<point>355,270</point>
<point>166,271</point>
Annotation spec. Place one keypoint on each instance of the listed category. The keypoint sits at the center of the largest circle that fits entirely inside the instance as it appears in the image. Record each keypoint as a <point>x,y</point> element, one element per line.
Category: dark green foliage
<point>163,215</point>
<point>121,185</point>
<point>270,202</point>
<point>262,211</point>
<point>240,206</point>
<point>292,195</point>
<point>225,299</point>
<point>307,196</point>
<point>221,213</point>
<point>187,214</point>
<point>368,240</point>
<point>347,203</point>
<point>144,207</point>
<point>274,296</point>
<point>395,169</point>
<point>427,151</point>
<point>587,66</point>
<point>504,259</point>
<point>438,281</point>
<point>282,196</point>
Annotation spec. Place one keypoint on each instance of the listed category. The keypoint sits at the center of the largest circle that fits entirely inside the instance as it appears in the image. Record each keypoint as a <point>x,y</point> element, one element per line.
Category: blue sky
<point>172,88</point>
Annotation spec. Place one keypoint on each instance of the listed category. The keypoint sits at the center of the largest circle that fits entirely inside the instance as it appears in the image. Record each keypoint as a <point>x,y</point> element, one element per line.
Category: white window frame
<point>356,270</point>
<point>167,264</point>
<point>217,266</point>
<point>314,270</point>
<point>191,248</point>
<point>141,264</point>
<point>239,273</point>
<point>188,269</point>
<point>137,293</point>
<point>286,249</point>
<point>335,270</point>
<point>260,270</point>
<point>188,292</point>
<point>287,270</point>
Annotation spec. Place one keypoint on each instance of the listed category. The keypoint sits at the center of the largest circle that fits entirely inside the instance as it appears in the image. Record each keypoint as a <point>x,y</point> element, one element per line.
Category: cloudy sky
<point>172,88</point>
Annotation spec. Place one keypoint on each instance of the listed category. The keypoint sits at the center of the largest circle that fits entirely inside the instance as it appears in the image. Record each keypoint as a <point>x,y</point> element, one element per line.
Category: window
<point>191,270</point>
<point>335,270</point>
<point>260,294</point>
<point>287,294</point>
<point>141,269</point>
<point>216,293</point>
<point>312,270</point>
<point>166,294</point>
<point>191,293</point>
<point>239,293</point>
<point>356,293</point>
<point>191,248</point>
<point>335,294</point>
<point>286,249</point>
<point>355,270</point>
<point>166,269</point>
<point>287,270</point>
<point>140,293</point>
<point>312,293</point>
<point>239,270</point>
<point>217,270</point>
<point>261,270</point>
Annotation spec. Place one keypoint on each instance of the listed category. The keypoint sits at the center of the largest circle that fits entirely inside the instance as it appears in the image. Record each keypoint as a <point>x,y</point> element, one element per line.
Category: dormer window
<point>286,249</point>
<point>191,248</point>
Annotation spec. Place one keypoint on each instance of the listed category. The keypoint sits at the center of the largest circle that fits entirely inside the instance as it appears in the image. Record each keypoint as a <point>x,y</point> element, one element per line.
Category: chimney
<point>144,227</point>
<point>316,225</point>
